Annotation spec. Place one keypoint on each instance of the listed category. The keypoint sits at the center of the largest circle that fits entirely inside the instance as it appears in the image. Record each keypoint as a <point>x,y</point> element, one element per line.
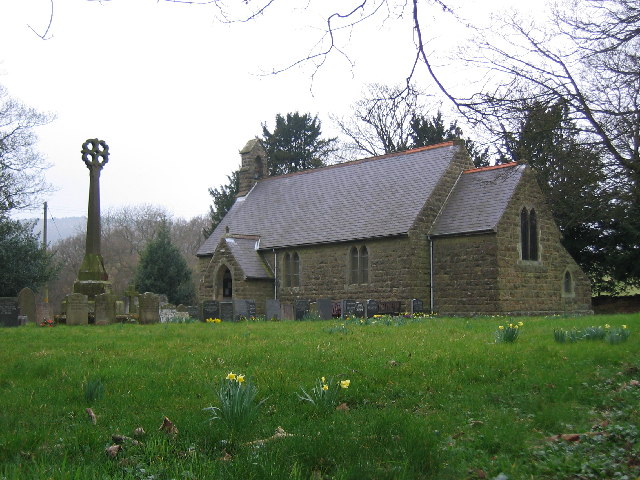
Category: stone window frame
<point>529,235</point>
<point>358,265</point>
<point>291,270</point>
<point>568,284</point>
<point>221,280</point>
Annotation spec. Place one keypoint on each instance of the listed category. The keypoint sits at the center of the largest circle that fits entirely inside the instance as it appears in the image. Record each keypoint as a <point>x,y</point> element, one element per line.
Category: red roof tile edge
<point>492,167</point>
<point>368,159</point>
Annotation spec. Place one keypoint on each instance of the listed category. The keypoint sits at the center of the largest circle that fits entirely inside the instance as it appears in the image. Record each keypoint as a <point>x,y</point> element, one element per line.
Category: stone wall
<point>536,287</point>
<point>465,275</point>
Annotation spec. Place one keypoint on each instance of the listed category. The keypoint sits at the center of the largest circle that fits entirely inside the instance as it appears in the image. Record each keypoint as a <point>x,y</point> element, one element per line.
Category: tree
<point>295,144</point>
<point>429,131</point>
<point>223,198</point>
<point>21,165</point>
<point>23,261</point>
<point>162,269</point>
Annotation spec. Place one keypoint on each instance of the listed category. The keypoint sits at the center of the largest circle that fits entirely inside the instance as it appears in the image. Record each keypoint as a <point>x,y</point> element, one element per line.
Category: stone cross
<point>92,151</point>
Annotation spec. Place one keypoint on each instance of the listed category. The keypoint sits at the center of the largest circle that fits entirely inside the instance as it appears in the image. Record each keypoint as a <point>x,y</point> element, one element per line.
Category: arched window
<point>353,261</point>
<point>295,270</point>
<point>287,270</point>
<point>227,284</point>
<point>364,265</point>
<point>567,283</point>
<point>528,234</point>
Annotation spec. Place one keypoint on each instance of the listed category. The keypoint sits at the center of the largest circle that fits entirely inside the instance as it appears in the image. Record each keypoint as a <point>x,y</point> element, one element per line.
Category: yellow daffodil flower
<point>231,376</point>
<point>520,324</point>
<point>323,380</point>
<point>240,378</point>
<point>500,327</point>
<point>345,383</point>
<point>325,387</point>
<point>606,325</point>
<point>624,326</point>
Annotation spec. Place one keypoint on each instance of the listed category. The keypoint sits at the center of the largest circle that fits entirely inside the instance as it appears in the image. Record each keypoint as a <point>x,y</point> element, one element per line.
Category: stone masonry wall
<point>465,275</point>
<point>536,287</point>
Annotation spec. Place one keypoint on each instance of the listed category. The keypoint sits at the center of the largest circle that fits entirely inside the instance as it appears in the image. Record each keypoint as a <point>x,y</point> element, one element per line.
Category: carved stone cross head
<point>92,150</point>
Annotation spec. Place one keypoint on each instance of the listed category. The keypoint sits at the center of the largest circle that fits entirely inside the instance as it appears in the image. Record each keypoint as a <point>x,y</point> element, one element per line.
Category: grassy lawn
<point>428,398</point>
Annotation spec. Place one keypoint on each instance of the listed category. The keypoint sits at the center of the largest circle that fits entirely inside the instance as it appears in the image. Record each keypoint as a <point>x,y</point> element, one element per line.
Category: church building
<point>420,224</point>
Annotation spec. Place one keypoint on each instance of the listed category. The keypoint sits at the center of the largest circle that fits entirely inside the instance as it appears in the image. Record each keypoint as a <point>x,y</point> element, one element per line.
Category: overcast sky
<point>176,93</point>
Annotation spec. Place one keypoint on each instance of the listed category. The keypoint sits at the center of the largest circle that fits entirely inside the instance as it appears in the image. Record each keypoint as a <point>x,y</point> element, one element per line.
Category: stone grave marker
<point>301,309</point>
<point>389,308</point>
<point>417,306</point>
<point>272,309</point>
<point>372,308</point>
<point>360,310</point>
<point>149,308</point>
<point>105,309</point>
<point>336,309</point>
<point>243,309</point>
<point>9,311</point>
<point>288,312</point>
<point>226,311</point>
<point>181,308</point>
<point>348,308</point>
<point>119,307</point>
<point>77,309</point>
<point>194,312</point>
<point>27,304</point>
<point>325,310</point>
<point>210,309</point>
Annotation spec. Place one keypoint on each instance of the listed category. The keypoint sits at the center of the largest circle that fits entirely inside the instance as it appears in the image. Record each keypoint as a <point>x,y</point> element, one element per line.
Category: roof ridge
<point>366,159</point>
<point>491,167</point>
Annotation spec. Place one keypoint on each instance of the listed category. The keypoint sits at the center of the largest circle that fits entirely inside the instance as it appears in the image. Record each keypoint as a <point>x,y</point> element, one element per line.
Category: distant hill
<point>60,228</point>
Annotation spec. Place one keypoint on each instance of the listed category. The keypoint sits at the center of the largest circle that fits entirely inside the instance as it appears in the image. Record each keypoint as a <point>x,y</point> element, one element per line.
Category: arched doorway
<point>227,284</point>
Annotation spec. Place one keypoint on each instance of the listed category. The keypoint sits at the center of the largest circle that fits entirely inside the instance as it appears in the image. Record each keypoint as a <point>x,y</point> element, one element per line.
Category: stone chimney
<point>253,167</point>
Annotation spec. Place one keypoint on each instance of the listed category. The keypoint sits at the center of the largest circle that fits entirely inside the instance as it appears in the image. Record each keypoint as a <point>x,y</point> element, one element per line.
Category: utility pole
<point>44,247</point>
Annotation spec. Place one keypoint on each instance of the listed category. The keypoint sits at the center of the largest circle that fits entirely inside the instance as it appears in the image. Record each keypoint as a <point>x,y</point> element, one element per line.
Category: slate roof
<point>244,251</point>
<point>374,197</point>
<point>478,200</point>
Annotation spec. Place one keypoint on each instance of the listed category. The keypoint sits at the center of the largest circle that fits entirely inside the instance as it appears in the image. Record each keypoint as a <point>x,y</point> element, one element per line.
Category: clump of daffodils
<point>324,394</point>
<point>238,406</point>
<point>508,333</point>
<point>213,320</point>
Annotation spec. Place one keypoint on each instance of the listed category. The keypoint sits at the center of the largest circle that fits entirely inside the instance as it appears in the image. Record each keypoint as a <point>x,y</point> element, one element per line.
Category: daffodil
<point>231,376</point>
<point>520,324</point>
<point>345,383</point>
<point>240,378</point>
<point>501,327</point>
<point>624,326</point>
<point>325,387</point>
<point>606,325</point>
<point>323,380</point>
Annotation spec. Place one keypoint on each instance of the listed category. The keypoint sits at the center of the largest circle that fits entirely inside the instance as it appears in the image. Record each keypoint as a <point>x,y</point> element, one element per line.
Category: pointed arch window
<point>354,265</point>
<point>567,283</point>
<point>364,265</point>
<point>358,265</point>
<point>529,235</point>
<point>287,270</point>
<point>291,270</point>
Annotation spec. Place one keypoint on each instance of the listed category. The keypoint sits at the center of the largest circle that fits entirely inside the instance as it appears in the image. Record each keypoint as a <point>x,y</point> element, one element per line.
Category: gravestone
<point>120,307</point>
<point>417,306</point>
<point>301,309</point>
<point>272,308</point>
<point>194,312</point>
<point>325,310</point>
<point>149,308</point>
<point>348,308</point>
<point>181,308</point>
<point>226,311</point>
<point>27,304</point>
<point>163,299</point>
<point>105,309</point>
<point>9,312</point>
<point>288,312</point>
<point>372,308</point>
<point>244,309</point>
<point>336,309</point>
<point>389,308</point>
<point>210,309</point>
<point>360,310</point>
<point>77,309</point>
<point>131,300</point>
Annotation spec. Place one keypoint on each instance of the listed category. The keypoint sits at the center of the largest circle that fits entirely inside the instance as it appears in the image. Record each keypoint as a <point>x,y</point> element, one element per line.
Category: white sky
<point>176,94</point>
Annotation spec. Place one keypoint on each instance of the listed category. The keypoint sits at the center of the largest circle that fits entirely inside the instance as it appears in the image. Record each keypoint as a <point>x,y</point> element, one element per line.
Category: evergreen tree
<point>429,131</point>
<point>23,261</point>
<point>295,144</point>
<point>223,198</point>
<point>163,270</point>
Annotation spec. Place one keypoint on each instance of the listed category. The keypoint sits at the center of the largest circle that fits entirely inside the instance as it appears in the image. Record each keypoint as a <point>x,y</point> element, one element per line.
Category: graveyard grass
<point>436,398</point>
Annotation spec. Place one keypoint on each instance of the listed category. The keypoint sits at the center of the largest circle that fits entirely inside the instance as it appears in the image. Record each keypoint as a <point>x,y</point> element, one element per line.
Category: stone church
<point>420,224</point>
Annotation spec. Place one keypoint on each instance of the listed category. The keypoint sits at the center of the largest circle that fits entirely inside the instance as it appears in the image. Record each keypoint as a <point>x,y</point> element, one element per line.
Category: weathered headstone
<point>348,308</point>
<point>181,308</point>
<point>417,306</point>
<point>372,308</point>
<point>301,309</point>
<point>194,312</point>
<point>9,311</point>
<point>77,309</point>
<point>163,299</point>
<point>210,309</point>
<point>325,311</point>
<point>244,309</point>
<point>336,309</point>
<point>360,310</point>
<point>149,308</point>
<point>226,311</point>
<point>105,309</point>
<point>120,307</point>
<point>272,309</point>
<point>288,312</point>
<point>131,299</point>
<point>27,304</point>
<point>389,308</point>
